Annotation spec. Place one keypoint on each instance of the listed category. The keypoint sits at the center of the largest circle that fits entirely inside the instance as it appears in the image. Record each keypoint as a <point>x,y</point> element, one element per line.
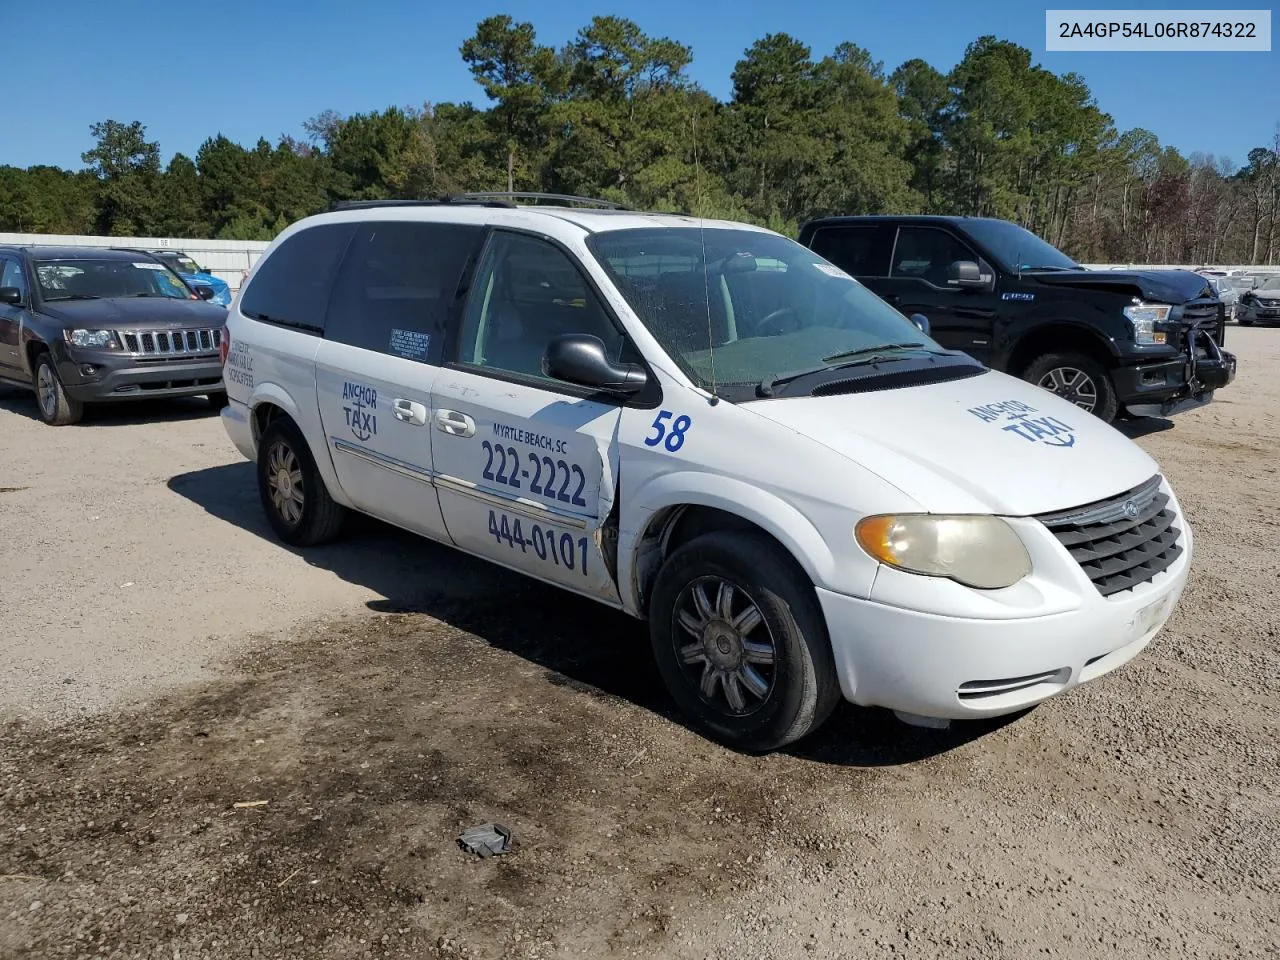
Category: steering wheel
<point>769,324</point>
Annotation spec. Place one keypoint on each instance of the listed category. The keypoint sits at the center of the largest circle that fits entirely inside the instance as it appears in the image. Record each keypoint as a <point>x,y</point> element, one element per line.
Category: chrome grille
<point>1122,541</point>
<point>170,343</point>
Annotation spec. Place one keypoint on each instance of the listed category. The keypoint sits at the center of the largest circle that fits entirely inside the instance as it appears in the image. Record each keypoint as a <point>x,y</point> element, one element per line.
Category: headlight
<point>978,551</point>
<point>101,339</point>
<point>1144,317</point>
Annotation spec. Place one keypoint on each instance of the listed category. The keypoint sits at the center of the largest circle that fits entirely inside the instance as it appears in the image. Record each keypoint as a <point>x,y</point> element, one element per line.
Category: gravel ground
<point>163,659</point>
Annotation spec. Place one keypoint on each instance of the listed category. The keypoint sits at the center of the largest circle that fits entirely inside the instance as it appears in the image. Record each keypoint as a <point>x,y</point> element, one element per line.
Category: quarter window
<point>526,293</point>
<point>291,286</point>
<point>397,286</point>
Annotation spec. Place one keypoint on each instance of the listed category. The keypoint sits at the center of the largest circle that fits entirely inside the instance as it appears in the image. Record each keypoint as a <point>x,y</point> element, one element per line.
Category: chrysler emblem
<point>1130,510</point>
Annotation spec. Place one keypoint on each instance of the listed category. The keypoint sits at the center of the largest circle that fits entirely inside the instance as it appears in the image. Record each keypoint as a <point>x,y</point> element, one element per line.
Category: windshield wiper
<point>73,296</point>
<point>849,358</point>
<point>849,354</point>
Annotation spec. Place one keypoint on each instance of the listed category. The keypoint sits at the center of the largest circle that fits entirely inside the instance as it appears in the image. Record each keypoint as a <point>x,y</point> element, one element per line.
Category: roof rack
<point>440,201</point>
<point>562,197</point>
<point>503,199</point>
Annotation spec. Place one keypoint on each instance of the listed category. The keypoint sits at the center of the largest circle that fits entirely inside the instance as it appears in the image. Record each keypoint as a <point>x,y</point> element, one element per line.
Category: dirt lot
<point>163,659</point>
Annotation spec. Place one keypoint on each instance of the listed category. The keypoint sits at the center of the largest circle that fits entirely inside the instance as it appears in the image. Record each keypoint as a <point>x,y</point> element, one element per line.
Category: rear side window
<point>291,286</point>
<point>397,286</point>
<point>861,251</point>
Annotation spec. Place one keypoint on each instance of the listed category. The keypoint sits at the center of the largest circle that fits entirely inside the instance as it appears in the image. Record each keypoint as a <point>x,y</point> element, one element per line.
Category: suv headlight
<point>978,551</point>
<point>1144,317</point>
<point>99,339</point>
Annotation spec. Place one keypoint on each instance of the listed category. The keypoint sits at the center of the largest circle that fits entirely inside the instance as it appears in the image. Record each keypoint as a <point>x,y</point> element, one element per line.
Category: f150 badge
<point>1017,418</point>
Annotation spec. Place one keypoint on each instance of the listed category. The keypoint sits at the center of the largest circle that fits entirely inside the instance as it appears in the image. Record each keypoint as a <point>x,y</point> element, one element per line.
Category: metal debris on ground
<point>487,840</point>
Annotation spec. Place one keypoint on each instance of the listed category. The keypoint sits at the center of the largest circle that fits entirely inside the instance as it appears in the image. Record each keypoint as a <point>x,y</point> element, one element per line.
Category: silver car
<point>1262,303</point>
<point>1228,294</point>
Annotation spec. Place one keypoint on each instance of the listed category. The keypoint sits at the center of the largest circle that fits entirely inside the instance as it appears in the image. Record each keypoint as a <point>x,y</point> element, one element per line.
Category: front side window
<point>732,307</point>
<point>11,276</point>
<point>93,279</point>
<point>397,286</point>
<point>926,253</point>
<point>526,293</point>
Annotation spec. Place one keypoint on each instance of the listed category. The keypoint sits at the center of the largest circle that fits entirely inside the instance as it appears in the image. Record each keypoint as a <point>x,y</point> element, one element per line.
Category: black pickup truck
<point>1116,343</point>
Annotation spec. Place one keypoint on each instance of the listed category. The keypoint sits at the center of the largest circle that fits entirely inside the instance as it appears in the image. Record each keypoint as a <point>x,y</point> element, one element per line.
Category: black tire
<point>1065,370</point>
<point>318,517</point>
<point>52,403</point>
<point>217,400</point>
<point>802,686</point>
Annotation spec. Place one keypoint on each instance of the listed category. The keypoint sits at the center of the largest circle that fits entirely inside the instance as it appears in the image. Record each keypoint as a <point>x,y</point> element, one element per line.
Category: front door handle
<point>455,424</point>
<point>410,411</point>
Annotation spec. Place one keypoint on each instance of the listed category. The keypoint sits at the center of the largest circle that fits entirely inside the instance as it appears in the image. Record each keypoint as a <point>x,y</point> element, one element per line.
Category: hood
<point>990,443</point>
<point>143,313</point>
<point>1159,286</point>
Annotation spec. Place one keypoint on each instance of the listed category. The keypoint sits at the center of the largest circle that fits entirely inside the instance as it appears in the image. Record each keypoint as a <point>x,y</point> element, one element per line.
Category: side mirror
<point>921,321</point>
<point>967,275</point>
<point>11,296</point>
<point>580,358</point>
<point>204,291</point>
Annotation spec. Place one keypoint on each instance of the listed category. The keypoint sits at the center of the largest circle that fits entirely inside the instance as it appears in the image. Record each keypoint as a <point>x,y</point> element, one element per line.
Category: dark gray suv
<point>84,324</point>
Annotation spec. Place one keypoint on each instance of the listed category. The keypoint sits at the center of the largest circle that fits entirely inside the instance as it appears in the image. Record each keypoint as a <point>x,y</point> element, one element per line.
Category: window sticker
<point>150,266</point>
<point>833,271</point>
<point>410,344</point>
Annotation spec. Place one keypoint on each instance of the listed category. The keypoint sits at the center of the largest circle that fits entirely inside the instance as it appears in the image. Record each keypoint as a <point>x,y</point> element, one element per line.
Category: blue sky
<point>247,68</point>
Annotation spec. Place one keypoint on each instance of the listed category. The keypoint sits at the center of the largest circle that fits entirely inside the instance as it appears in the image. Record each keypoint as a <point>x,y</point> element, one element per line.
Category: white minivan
<point>709,427</point>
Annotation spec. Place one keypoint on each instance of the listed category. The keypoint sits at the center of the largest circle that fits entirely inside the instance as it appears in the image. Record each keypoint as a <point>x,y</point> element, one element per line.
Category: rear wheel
<point>293,493</point>
<point>56,408</point>
<point>741,641</point>
<point>1078,379</point>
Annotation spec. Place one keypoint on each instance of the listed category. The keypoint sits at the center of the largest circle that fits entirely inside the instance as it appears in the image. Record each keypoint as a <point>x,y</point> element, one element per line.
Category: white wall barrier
<point>228,259</point>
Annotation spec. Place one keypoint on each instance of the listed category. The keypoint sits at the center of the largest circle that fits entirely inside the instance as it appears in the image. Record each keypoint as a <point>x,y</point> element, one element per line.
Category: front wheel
<point>56,408</point>
<point>1078,379</point>
<point>293,493</point>
<point>741,642</point>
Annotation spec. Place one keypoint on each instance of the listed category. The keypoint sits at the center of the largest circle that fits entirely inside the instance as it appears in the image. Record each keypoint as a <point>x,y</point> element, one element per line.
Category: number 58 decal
<point>674,436</point>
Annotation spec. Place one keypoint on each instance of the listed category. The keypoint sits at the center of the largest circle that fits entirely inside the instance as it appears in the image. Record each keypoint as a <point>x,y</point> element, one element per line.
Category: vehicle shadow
<point>1140,427</point>
<point>584,645</point>
<point>127,413</point>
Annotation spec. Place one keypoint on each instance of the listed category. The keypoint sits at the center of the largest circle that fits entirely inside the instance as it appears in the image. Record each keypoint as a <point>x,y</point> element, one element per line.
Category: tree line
<point>613,114</point>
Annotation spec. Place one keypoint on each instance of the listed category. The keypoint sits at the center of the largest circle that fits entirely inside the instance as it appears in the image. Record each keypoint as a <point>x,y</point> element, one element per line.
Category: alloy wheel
<point>724,645</point>
<point>47,391</point>
<point>1072,384</point>
<point>284,480</point>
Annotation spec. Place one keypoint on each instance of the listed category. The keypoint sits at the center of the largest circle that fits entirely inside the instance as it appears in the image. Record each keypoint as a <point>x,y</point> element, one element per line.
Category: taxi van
<point>707,426</point>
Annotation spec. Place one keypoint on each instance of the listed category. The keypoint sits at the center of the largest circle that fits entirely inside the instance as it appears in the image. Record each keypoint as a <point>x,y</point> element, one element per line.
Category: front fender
<point>691,488</point>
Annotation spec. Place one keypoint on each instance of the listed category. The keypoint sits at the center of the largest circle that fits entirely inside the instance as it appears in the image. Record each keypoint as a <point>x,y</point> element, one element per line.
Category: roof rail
<point>459,200</point>
<point>563,197</point>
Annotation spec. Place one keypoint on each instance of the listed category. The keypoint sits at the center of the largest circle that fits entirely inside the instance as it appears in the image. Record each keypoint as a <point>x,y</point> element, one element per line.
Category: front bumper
<point>1256,314</point>
<point>933,666</point>
<point>1168,387</point>
<point>95,376</point>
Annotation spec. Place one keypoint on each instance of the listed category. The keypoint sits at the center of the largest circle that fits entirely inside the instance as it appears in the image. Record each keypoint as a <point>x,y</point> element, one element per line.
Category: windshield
<point>1016,248</point>
<point>763,306</point>
<point>93,279</point>
<point>182,263</point>
<point>1272,284</point>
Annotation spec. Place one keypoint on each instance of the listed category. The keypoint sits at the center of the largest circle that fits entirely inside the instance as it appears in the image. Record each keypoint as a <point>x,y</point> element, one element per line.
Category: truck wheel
<point>741,641</point>
<point>293,493</point>
<point>56,408</point>
<point>1076,378</point>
